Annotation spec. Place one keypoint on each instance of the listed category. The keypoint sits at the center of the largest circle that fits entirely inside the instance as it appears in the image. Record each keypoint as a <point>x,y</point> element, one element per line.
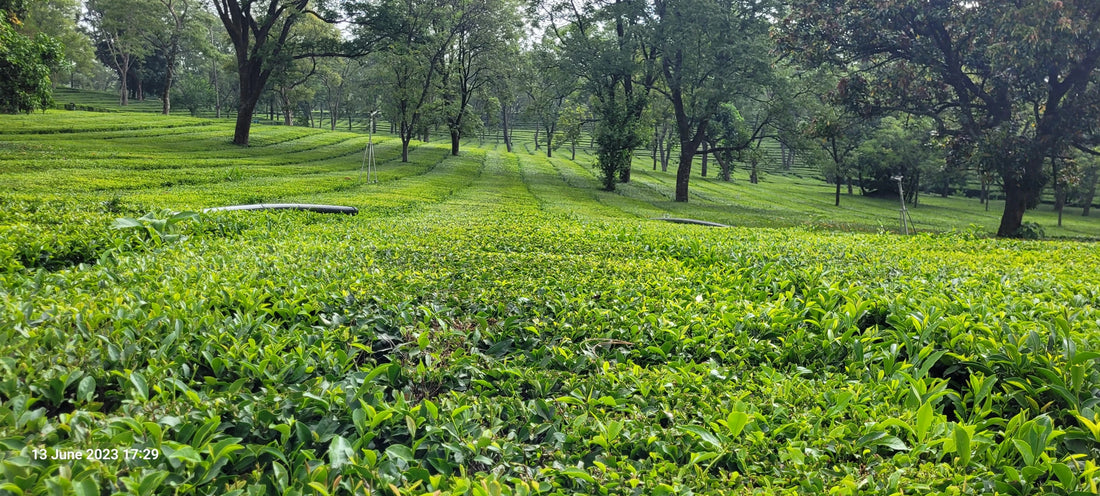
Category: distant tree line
<point>937,97</point>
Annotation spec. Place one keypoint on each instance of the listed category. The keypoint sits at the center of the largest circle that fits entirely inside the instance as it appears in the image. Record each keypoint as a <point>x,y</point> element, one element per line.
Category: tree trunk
<point>140,91</point>
<point>624,173</point>
<point>655,151</point>
<point>838,181</point>
<point>916,187</point>
<point>124,91</point>
<point>538,126</point>
<point>703,165</point>
<point>252,80</point>
<point>848,179</point>
<point>724,168</point>
<point>1059,189</point>
<point>1023,183</point>
<point>504,127</point>
<point>455,137</point>
<point>573,151</point>
<point>660,147</point>
<point>288,110</point>
<point>1089,191</point>
<point>1015,205</point>
<point>244,119</point>
<point>683,171</point>
<point>165,96</point>
<point>123,68</point>
<point>214,80</point>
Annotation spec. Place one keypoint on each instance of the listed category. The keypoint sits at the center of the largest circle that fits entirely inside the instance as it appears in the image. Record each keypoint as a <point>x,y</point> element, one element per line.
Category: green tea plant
<point>492,323</point>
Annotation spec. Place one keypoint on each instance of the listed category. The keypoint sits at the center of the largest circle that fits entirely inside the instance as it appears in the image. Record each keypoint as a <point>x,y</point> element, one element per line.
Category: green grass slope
<point>492,323</point>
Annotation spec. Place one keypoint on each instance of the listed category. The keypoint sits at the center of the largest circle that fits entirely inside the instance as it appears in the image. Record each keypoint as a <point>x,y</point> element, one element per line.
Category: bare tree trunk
<point>655,143</point>
<point>1013,217</point>
<point>1059,189</point>
<point>406,138</point>
<point>538,126</point>
<point>214,80</point>
<point>703,166</point>
<point>916,187</point>
<point>1089,191</point>
<point>504,128</point>
<point>288,110</point>
<point>139,88</point>
<point>683,170</point>
<point>165,96</point>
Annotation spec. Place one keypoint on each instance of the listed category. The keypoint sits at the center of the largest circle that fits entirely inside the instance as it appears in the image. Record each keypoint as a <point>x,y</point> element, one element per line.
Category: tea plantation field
<point>492,324</point>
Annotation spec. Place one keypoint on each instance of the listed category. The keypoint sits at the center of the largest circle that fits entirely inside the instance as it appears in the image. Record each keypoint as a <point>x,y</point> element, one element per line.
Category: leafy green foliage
<point>25,65</point>
<point>951,61</point>
<point>493,323</point>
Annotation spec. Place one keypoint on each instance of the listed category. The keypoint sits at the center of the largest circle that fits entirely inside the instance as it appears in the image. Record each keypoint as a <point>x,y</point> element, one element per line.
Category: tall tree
<point>1011,83</point>
<point>608,45</point>
<point>838,133</point>
<point>295,71</point>
<point>476,55</point>
<point>25,64</point>
<point>420,35</point>
<point>336,76</point>
<point>548,86</point>
<point>59,20</point>
<point>571,122</point>
<point>172,24</point>
<point>709,50</point>
<point>118,29</point>
<point>259,36</point>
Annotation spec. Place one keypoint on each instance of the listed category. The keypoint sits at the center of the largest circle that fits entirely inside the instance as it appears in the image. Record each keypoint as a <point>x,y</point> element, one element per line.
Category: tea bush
<point>492,324</point>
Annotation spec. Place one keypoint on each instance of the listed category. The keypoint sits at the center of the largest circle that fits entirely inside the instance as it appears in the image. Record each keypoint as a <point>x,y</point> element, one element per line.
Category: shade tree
<point>259,31</point>
<point>25,63</point>
<point>59,19</point>
<point>1009,83</point>
<point>707,51</point>
<point>118,29</point>
<point>479,52</point>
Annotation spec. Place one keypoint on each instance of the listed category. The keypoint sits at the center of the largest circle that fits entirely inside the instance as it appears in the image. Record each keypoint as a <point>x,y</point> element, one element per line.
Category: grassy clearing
<point>493,323</point>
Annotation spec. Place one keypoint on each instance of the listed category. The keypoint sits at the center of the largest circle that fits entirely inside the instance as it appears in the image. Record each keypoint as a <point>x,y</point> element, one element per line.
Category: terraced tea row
<point>493,323</point>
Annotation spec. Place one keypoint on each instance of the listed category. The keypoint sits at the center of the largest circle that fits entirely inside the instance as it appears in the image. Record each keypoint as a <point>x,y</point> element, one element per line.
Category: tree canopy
<point>25,63</point>
<point>1010,83</point>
